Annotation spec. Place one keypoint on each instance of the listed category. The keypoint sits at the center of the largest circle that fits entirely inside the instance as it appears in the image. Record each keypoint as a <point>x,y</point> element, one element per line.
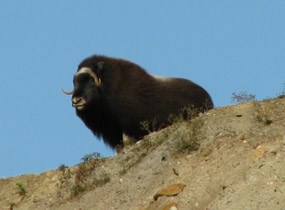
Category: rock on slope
<point>228,158</point>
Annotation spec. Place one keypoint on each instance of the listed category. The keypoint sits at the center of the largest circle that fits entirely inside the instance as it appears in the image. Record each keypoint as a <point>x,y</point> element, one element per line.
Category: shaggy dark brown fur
<point>121,95</point>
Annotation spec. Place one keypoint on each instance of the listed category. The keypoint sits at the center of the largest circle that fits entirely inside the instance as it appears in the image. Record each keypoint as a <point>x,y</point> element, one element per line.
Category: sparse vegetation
<point>187,140</point>
<point>123,169</point>
<point>263,114</point>
<point>103,179</point>
<point>282,93</point>
<point>78,189</point>
<point>66,173</point>
<point>62,167</point>
<point>82,184</point>
<point>22,190</point>
<point>149,126</point>
<point>12,206</point>
<point>173,118</point>
<point>84,173</point>
<point>189,112</point>
<point>227,132</point>
<point>243,97</point>
<point>131,161</point>
<point>92,156</point>
<point>148,143</point>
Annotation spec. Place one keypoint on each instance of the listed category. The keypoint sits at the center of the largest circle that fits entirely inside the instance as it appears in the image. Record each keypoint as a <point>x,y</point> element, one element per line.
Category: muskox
<point>114,96</point>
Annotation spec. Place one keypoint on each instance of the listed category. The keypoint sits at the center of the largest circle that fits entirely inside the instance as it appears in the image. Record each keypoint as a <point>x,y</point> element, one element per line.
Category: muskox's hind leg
<point>119,148</point>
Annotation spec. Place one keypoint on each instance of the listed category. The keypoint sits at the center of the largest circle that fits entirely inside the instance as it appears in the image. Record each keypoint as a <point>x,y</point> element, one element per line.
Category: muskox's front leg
<point>126,140</point>
<point>113,137</point>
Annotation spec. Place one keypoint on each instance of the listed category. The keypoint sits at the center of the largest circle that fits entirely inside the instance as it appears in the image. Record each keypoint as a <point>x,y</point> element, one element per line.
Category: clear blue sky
<point>225,46</point>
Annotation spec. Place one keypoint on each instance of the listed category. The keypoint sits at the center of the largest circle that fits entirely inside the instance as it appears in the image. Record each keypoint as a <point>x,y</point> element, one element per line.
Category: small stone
<point>207,151</point>
<point>160,205</point>
<point>175,172</point>
<point>171,190</point>
<point>241,137</point>
<point>259,152</point>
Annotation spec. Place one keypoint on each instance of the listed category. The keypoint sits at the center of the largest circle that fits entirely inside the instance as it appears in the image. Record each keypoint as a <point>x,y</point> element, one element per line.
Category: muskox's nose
<point>76,100</point>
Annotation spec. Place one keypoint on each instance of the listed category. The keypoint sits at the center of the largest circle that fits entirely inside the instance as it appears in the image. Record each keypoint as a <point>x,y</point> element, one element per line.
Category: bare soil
<point>228,158</point>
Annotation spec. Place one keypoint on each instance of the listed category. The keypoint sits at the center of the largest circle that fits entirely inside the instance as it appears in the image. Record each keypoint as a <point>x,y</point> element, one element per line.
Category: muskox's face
<point>86,88</point>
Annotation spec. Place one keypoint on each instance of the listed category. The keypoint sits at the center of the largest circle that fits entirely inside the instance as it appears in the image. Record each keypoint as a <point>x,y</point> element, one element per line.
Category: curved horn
<point>91,73</point>
<point>67,92</point>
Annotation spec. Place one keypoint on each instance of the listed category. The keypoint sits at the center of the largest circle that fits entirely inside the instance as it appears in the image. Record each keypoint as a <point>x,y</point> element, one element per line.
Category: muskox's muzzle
<point>78,102</point>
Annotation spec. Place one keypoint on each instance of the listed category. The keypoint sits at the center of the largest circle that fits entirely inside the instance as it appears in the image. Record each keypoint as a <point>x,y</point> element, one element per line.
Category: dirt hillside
<point>227,158</point>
